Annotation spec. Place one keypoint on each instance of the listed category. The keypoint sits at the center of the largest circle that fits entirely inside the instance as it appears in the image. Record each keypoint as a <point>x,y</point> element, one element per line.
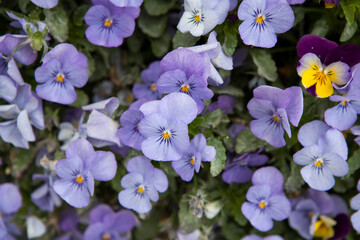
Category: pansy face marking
<point>108,22</point>
<point>106,236</point>
<point>60,77</point>
<point>166,135</point>
<point>262,204</point>
<point>79,179</point>
<point>140,189</point>
<point>196,17</point>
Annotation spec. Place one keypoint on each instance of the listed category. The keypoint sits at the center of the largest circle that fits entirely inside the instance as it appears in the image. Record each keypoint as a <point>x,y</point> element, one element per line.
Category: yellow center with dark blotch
<point>192,160</point>
<point>60,77</point>
<point>128,98</point>
<point>260,19</point>
<point>141,189</point>
<point>330,5</point>
<point>276,118</point>
<point>318,162</point>
<point>324,227</point>
<point>153,87</point>
<point>343,102</point>
<point>108,22</point>
<point>137,127</point>
<point>184,88</point>
<point>106,236</point>
<point>197,18</point>
<point>79,179</point>
<point>262,204</point>
<point>166,135</point>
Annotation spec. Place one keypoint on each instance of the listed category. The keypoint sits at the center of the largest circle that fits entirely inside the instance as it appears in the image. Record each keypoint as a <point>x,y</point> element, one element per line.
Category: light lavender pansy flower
<point>142,184</point>
<point>149,77</point>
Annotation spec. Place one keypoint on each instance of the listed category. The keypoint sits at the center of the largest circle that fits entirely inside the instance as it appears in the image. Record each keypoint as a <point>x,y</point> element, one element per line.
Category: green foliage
<point>354,163</point>
<point>152,26</point>
<point>231,39</point>
<point>160,46</point>
<point>158,7</point>
<point>265,64</point>
<point>348,32</point>
<point>81,100</point>
<point>349,7</point>
<point>21,160</point>
<point>57,21</point>
<point>218,164</point>
<point>184,40</point>
<point>247,142</point>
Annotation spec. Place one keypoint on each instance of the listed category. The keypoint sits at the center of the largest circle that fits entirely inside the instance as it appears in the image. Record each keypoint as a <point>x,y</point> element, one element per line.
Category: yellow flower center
<point>141,189</point>
<point>108,22</point>
<point>192,160</point>
<point>128,98</point>
<point>197,18</point>
<point>260,19</point>
<point>79,179</point>
<point>318,162</point>
<point>166,134</point>
<point>343,102</point>
<point>184,88</point>
<point>137,127</point>
<point>60,77</point>
<point>323,227</point>
<point>262,204</point>
<point>276,118</point>
<point>330,5</point>
<point>106,236</point>
<point>153,87</point>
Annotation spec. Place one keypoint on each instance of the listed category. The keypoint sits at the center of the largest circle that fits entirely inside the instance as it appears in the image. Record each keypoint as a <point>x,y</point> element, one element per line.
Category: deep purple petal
<point>347,53</point>
<point>315,44</point>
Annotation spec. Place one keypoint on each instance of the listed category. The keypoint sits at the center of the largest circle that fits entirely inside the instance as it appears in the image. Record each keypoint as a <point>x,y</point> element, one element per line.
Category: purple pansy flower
<point>324,64</point>
<point>185,71</point>
<point>213,50</point>
<point>127,3</point>
<point>10,202</point>
<point>238,170</point>
<point>191,159</point>
<point>201,16</point>
<point>355,204</point>
<point>266,200</point>
<point>109,24</point>
<point>142,184</point>
<point>129,133</point>
<point>344,115</point>
<point>293,2</point>
<point>68,223</point>
<point>22,112</point>
<point>262,19</point>
<point>195,235</point>
<point>165,126</point>
<point>324,154</point>
<point>273,109</point>
<point>44,196</point>
<point>79,169</point>
<point>45,3</point>
<point>103,91</point>
<point>106,224</point>
<point>320,215</point>
<point>63,69</point>
<point>149,77</point>
<point>356,131</point>
<point>24,55</point>
<point>256,237</point>
<point>225,102</point>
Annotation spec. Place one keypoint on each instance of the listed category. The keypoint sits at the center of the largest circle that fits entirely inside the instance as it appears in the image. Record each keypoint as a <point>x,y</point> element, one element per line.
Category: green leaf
<point>348,31</point>
<point>231,231</point>
<point>160,46</point>
<point>79,14</point>
<point>265,64</point>
<point>152,26</point>
<point>82,99</point>
<point>218,164</point>
<point>187,221</point>
<point>247,142</point>
<point>321,27</point>
<point>158,7</point>
<point>349,9</point>
<point>21,159</point>
<point>354,163</point>
<point>343,185</point>
<point>229,90</point>
<point>184,40</point>
<point>57,21</point>
<point>23,5</point>
<point>231,39</point>
<point>135,41</point>
<point>294,181</point>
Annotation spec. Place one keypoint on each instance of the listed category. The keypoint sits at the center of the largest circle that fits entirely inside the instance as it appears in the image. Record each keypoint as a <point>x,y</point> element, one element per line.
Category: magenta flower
<point>109,24</point>
<point>142,184</point>
<point>63,69</point>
